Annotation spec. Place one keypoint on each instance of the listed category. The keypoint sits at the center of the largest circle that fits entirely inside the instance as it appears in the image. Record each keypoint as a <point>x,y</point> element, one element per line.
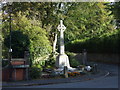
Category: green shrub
<point>50,63</point>
<point>71,54</point>
<point>73,61</point>
<point>5,63</point>
<point>35,72</point>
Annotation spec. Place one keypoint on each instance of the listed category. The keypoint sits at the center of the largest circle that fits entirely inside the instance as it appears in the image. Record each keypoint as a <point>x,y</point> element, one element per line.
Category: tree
<point>115,7</point>
<point>87,20</point>
<point>83,20</point>
<point>42,11</point>
<point>39,43</point>
<point>20,43</point>
<point>48,13</point>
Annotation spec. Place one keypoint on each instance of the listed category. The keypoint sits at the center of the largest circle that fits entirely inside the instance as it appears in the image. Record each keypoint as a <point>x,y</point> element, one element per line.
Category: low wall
<point>106,58</point>
<point>17,73</point>
<point>99,57</point>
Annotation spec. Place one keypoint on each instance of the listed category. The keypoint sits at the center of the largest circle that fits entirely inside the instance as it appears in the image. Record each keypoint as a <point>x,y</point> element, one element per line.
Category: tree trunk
<point>54,43</point>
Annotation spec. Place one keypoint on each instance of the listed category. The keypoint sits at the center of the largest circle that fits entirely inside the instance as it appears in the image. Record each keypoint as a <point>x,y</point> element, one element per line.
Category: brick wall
<point>17,73</point>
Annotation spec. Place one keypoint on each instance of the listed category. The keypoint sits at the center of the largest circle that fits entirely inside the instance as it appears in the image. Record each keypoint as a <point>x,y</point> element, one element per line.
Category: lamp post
<point>10,48</point>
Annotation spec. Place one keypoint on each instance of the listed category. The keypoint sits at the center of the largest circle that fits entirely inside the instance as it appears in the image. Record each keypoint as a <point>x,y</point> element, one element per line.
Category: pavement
<point>103,82</point>
<point>101,73</point>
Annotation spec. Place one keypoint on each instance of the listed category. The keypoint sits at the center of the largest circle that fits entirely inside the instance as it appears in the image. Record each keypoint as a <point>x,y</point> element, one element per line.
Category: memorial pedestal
<point>62,60</point>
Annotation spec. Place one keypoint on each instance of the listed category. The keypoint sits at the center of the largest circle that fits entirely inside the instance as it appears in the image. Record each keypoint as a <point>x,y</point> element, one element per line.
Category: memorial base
<point>63,60</point>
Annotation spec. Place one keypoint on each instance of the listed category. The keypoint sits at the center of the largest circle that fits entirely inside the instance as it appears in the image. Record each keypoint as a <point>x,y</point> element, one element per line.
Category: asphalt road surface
<point>110,81</point>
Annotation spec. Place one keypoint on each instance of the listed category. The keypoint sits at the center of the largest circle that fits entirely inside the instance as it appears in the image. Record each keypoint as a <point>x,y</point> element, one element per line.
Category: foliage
<point>39,64</point>
<point>89,19</point>
<point>39,44</point>
<point>20,43</point>
<point>73,73</point>
<point>106,43</point>
<point>5,63</point>
<point>115,7</point>
<point>73,61</point>
<point>50,63</point>
<point>89,25</point>
<point>1,38</point>
<point>46,12</point>
<point>35,72</point>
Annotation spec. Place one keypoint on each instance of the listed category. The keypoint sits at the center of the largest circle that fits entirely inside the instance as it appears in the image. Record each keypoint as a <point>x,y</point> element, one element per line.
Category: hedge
<point>107,43</point>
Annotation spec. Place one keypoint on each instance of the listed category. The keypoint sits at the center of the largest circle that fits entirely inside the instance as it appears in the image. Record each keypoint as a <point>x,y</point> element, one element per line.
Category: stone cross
<point>62,59</point>
<point>61,28</point>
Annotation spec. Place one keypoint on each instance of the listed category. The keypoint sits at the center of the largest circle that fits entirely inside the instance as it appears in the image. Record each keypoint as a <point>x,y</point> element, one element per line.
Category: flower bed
<point>75,74</point>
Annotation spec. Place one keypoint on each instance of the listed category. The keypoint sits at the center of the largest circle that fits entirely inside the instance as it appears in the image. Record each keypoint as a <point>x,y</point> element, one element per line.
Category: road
<point>110,81</point>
